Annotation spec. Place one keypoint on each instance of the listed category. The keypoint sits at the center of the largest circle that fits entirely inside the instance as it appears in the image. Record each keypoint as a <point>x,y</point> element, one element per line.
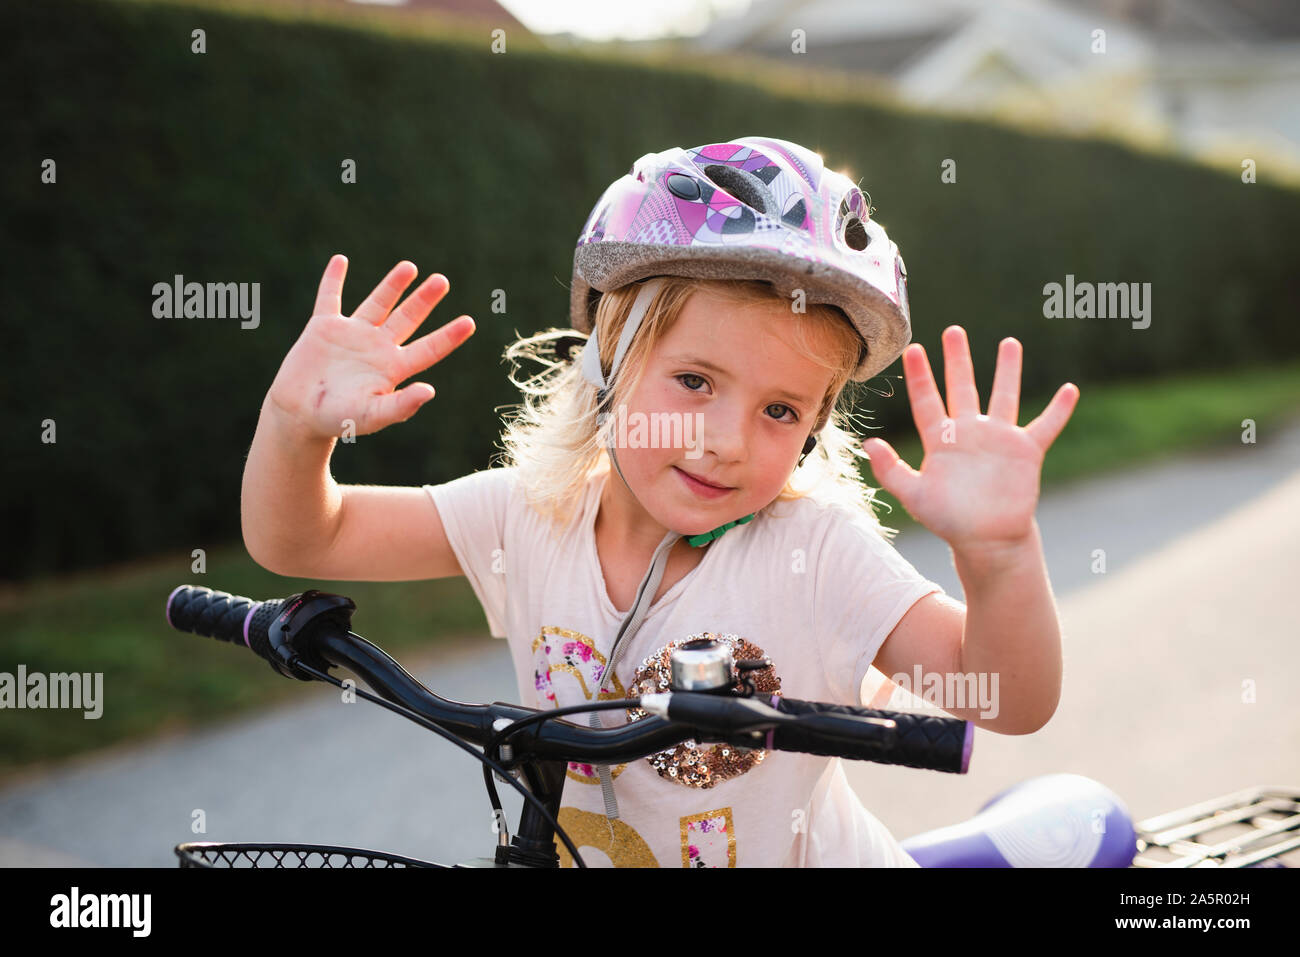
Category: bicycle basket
<point>1256,827</point>
<point>212,854</point>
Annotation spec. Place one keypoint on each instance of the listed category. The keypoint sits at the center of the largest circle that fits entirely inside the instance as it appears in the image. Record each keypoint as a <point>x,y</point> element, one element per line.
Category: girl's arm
<point>978,490</point>
<point>298,522</point>
<point>340,376</point>
<point>1002,649</point>
<point>1012,631</point>
<point>290,505</point>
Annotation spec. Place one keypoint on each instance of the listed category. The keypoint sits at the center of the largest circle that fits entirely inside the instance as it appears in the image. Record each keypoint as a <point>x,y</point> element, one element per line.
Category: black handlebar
<point>920,740</point>
<point>312,628</point>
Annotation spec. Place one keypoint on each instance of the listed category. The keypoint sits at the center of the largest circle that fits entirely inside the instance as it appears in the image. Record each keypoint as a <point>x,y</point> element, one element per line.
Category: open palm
<point>343,371</point>
<point>979,479</point>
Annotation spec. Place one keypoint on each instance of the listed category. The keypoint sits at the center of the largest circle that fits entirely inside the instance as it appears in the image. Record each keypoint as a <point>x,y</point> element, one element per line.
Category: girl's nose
<point>722,433</point>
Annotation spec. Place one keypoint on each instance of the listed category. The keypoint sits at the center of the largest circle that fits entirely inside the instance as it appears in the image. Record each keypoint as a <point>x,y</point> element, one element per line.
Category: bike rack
<point>1255,827</point>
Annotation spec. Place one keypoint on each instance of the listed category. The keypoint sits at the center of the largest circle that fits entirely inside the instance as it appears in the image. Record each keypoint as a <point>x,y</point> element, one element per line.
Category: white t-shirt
<point>813,587</point>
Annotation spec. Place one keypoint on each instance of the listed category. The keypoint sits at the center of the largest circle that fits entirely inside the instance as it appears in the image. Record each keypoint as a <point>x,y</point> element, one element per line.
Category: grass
<point>157,680</point>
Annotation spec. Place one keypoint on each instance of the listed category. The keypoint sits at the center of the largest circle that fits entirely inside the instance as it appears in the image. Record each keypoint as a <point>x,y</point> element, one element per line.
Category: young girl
<point>689,474</point>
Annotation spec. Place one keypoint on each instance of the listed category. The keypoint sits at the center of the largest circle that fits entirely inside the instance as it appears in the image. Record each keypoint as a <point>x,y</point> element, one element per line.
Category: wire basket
<point>266,856</point>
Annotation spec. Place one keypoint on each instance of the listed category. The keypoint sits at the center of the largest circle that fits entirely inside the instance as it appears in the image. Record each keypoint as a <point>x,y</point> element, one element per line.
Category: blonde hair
<point>554,442</point>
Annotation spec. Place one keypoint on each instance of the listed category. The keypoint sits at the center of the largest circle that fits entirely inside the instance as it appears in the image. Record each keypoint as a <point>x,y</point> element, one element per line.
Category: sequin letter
<point>709,839</point>
<point>620,843</point>
<point>567,669</point>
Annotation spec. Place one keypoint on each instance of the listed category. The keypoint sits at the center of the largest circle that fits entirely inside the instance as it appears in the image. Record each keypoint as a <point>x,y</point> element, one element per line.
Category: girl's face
<point>725,398</point>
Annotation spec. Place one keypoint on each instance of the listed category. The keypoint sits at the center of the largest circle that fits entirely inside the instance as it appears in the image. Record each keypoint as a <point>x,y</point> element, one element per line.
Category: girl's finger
<point>894,475</point>
<point>927,407</point>
<point>383,297</point>
<point>415,308</point>
<point>329,295</point>
<point>434,347</point>
<point>1004,401</point>
<point>1051,421</point>
<point>397,406</point>
<point>959,374</point>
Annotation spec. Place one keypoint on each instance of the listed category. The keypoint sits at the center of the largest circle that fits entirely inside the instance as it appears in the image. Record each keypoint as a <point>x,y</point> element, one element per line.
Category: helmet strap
<point>591,366</point>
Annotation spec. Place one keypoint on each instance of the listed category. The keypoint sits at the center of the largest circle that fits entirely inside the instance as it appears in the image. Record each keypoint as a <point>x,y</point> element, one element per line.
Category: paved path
<point>1202,561</point>
<point>353,774</point>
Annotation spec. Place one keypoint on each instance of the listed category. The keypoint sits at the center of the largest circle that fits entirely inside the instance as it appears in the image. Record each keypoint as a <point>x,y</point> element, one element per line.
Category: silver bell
<point>702,665</point>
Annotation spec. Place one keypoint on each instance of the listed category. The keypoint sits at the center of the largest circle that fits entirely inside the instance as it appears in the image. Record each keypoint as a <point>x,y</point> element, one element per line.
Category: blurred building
<point>1212,77</point>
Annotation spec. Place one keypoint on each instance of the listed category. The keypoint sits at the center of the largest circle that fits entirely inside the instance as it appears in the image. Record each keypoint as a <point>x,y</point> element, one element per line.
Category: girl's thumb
<point>401,405</point>
<point>414,396</point>
<point>894,475</point>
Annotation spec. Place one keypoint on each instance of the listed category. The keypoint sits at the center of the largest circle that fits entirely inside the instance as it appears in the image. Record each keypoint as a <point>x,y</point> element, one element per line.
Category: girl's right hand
<point>345,368</point>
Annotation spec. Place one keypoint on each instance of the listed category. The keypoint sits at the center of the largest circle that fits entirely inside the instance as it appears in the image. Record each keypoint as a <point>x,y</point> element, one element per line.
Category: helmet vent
<point>855,234</point>
<point>744,186</point>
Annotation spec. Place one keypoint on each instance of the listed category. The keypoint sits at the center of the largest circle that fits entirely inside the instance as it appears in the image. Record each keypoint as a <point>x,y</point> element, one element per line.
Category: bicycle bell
<point>703,664</point>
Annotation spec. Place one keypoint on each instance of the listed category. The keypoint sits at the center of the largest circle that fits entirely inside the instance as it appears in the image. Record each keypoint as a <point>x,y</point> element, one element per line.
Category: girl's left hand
<point>978,484</point>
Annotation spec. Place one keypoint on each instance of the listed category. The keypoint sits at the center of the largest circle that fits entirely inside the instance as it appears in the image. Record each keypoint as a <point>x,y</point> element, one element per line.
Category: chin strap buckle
<point>695,541</point>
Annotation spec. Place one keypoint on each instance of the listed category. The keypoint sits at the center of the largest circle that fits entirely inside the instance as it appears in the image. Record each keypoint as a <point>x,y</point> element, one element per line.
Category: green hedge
<point>225,167</point>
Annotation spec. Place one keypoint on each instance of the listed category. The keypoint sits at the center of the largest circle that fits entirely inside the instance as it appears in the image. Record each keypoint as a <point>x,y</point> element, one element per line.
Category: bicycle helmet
<point>750,208</point>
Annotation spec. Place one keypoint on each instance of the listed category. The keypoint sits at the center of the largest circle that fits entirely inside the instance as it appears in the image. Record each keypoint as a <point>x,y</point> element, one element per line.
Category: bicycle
<point>711,700</point>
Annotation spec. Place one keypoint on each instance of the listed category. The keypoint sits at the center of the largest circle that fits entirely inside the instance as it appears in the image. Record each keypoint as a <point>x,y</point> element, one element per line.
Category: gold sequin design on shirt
<point>689,763</point>
<point>551,632</point>
<point>714,823</point>
<point>621,843</point>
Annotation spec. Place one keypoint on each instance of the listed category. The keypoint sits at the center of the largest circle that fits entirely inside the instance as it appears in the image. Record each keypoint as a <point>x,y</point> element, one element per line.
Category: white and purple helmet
<point>749,208</point>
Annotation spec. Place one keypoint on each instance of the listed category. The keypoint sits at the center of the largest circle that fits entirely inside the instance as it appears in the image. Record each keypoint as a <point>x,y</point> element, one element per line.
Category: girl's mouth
<point>700,487</point>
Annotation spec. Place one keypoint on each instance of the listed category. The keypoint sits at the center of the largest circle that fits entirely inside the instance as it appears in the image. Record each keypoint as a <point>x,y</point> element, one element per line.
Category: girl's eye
<point>786,410</point>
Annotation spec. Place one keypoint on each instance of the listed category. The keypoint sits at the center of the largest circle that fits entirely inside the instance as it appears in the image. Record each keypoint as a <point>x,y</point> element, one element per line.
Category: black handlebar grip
<point>221,615</point>
<point>921,740</point>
